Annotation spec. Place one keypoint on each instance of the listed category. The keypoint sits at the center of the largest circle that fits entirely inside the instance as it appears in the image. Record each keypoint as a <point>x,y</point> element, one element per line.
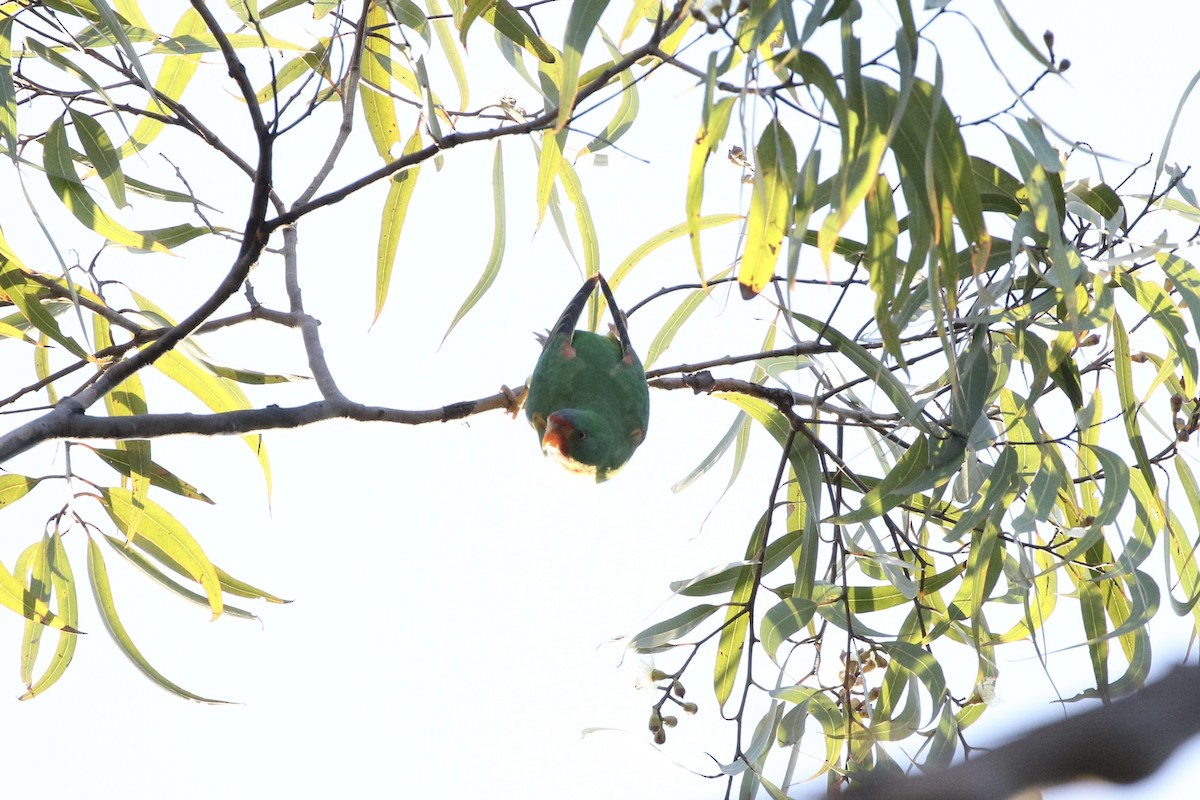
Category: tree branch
<point>69,422</point>
<point>1123,742</point>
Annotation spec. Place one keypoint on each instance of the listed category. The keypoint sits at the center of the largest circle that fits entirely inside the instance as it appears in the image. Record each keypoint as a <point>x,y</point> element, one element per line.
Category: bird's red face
<point>556,440</point>
<point>562,441</point>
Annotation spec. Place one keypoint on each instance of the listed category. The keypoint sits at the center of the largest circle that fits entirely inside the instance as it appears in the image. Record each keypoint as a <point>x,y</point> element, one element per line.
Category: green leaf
<point>770,208</point>
<point>1129,402</point>
<point>662,634</point>
<point>724,578</point>
<point>395,209</point>
<point>102,591</point>
<point>8,97</point>
<point>784,620</point>
<point>232,585</point>
<point>656,241</point>
<point>169,536</point>
<point>446,40</point>
<point>816,703</point>
<point>906,656</point>
<point>492,268</point>
<point>102,154</point>
<point>732,641</point>
<point>666,334</point>
<point>582,19</point>
<point>1155,301</point>
<point>60,171</point>
<point>114,27</point>
<point>897,393</point>
<point>508,22</point>
<point>63,583</point>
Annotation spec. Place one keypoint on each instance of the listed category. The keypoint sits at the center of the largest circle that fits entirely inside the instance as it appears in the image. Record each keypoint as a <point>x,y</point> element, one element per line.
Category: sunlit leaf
<point>581,21</point>
<point>169,536</point>
<point>395,209</point>
<point>8,97</point>
<point>492,268</point>
<point>63,583</point>
<point>508,22</point>
<point>770,208</point>
<point>173,77</point>
<point>378,107</point>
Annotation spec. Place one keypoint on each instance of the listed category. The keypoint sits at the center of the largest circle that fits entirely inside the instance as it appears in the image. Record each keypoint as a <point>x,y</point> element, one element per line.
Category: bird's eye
<point>582,435</point>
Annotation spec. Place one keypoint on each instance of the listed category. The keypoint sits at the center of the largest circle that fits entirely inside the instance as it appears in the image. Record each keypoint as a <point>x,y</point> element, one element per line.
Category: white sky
<point>455,593</point>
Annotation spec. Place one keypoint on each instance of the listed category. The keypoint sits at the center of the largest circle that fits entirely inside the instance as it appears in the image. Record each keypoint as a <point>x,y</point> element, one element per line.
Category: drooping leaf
<point>159,476</point>
<point>492,268</point>
<point>102,154</point>
<point>8,97</point>
<point>582,19</point>
<point>770,208</point>
<point>169,536</point>
<point>378,107</point>
<point>176,72</point>
<point>102,591</point>
<point>63,583</point>
<point>395,209</point>
<point>508,22</point>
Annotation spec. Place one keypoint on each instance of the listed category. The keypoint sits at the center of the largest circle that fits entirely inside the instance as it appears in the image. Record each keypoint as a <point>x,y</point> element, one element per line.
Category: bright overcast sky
<point>456,595</point>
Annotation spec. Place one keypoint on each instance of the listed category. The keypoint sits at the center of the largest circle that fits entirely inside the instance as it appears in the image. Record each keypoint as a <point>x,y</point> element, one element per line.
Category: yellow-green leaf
<point>62,580</point>
<point>378,107</point>
<point>14,596</point>
<point>770,208</point>
<point>710,135</point>
<point>169,536</point>
<point>395,208</point>
<point>24,295</point>
<point>177,70</point>
<point>218,394</point>
<point>13,487</point>
<point>581,21</point>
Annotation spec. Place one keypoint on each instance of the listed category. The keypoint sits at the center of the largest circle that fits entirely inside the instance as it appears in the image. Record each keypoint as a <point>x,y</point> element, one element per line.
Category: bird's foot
<point>515,398</point>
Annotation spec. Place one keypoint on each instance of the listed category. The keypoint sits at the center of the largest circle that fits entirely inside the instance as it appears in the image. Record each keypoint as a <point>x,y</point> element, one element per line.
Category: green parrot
<point>587,398</point>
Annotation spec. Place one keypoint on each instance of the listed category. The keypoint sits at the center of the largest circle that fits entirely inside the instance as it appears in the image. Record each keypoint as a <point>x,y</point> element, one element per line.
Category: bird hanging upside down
<point>587,398</point>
